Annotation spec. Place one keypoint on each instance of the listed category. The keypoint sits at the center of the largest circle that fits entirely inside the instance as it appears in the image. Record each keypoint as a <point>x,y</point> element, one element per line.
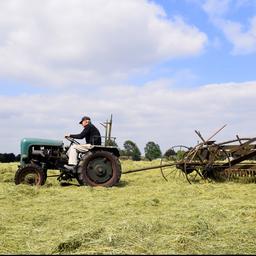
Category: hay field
<point>144,214</point>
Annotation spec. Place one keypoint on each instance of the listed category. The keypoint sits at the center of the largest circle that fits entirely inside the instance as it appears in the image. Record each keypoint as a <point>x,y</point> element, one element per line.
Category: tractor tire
<point>30,174</point>
<point>100,168</point>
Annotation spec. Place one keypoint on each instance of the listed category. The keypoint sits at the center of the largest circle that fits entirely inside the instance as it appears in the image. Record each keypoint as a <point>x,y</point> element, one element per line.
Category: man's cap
<point>85,118</point>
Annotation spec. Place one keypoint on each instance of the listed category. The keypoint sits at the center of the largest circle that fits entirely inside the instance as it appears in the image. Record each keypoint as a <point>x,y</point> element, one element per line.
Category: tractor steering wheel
<point>72,140</point>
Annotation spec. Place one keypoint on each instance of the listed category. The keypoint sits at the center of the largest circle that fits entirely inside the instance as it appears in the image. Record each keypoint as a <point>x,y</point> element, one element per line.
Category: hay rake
<point>210,161</point>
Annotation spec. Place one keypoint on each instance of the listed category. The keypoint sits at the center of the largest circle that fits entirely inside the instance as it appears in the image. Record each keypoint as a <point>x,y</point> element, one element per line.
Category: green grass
<point>144,214</point>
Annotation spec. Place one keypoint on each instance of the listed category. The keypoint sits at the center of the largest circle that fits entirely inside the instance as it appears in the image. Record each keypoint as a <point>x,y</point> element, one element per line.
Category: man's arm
<point>80,135</point>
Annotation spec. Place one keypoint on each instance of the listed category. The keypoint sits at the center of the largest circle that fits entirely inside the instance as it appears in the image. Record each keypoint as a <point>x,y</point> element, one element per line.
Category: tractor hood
<point>26,143</point>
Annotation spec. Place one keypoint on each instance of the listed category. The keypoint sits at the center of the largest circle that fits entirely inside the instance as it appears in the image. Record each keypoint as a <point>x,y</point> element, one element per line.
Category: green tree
<point>7,157</point>
<point>152,151</point>
<point>170,153</point>
<point>111,142</point>
<point>180,154</point>
<point>132,150</point>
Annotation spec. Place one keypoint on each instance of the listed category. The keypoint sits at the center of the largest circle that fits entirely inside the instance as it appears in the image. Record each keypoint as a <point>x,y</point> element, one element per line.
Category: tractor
<point>100,166</point>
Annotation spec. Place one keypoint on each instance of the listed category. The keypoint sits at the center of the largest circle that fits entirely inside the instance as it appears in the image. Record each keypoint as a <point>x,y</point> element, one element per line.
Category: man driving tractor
<point>92,137</point>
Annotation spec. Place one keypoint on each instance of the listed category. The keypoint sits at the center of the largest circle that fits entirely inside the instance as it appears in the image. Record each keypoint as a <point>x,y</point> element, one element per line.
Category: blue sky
<point>216,64</point>
<point>163,68</point>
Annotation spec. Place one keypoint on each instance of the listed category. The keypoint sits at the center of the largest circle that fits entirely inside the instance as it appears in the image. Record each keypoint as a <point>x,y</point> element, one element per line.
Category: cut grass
<point>144,214</point>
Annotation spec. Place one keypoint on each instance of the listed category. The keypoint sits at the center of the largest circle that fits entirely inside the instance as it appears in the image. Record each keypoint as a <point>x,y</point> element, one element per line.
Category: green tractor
<point>100,166</point>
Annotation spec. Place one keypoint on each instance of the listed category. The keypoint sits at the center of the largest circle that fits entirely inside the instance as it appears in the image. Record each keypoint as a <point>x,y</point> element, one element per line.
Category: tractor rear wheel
<point>100,168</point>
<point>30,174</point>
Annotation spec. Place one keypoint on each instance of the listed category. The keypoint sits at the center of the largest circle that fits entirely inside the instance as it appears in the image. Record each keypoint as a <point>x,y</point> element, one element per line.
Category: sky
<point>162,68</point>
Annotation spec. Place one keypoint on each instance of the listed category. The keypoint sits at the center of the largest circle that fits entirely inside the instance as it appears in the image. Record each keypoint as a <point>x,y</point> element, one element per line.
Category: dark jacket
<point>90,133</point>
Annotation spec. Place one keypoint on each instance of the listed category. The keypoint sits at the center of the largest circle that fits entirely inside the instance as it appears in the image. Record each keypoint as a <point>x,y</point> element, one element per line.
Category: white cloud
<point>241,35</point>
<point>102,42</point>
<point>244,41</point>
<point>152,112</point>
<point>62,41</point>
<point>216,7</point>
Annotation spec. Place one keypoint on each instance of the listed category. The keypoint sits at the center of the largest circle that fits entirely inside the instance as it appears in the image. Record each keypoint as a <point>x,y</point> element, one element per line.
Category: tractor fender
<point>113,150</point>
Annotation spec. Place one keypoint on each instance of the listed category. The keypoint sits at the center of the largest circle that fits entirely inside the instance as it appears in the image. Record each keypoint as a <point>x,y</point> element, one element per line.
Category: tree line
<point>9,157</point>
<point>152,151</point>
<point>130,150</point>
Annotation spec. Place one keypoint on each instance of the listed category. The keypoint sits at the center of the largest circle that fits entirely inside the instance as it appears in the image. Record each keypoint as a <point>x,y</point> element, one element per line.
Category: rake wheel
<point>171,172</point>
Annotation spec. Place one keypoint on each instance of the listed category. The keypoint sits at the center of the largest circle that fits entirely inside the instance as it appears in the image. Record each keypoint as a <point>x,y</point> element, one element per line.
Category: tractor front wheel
<point>99,168</point>
<point>30,174</point>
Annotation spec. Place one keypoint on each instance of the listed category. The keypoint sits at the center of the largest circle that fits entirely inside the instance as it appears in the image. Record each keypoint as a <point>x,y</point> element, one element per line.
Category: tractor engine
<point>42,151</point>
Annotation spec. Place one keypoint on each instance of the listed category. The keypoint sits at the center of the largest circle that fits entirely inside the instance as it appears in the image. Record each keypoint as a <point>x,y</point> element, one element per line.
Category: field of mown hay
<point>144,214</point>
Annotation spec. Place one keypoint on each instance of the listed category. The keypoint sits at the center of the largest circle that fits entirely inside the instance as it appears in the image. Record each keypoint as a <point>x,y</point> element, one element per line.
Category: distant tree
<point>169,153</point>
<point>7,158</point>
<point>2,158</point>
<point>180,154</point>
<point>132,150</point>
<point>17,158</point>
<point>111,143</point>
<point>11,157</point>
<point>152,151</point>
<point>122,152</point>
